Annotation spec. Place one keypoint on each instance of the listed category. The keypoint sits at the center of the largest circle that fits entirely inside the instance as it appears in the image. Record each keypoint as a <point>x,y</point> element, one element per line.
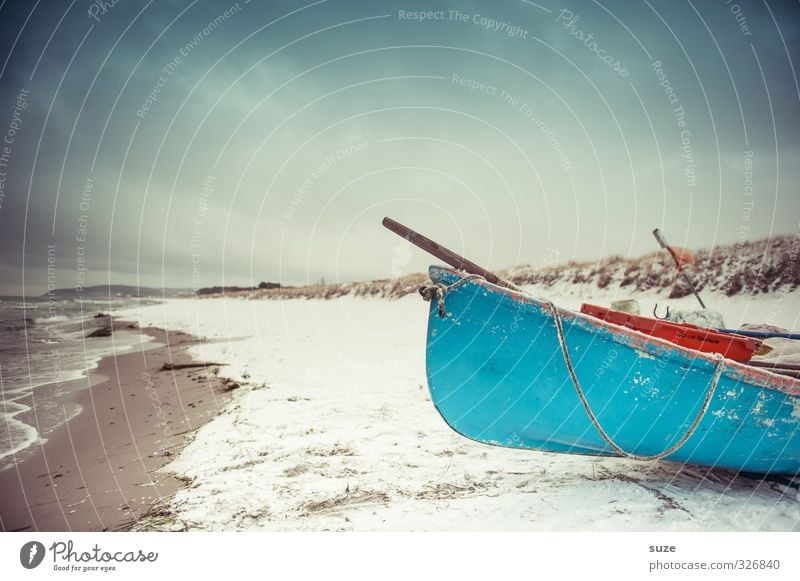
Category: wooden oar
<point>460,263</point>
<point>761,334</point>
<point>775,365</point>
<point>781,371</point>
<point>455,260</point>
<point>790,369</point>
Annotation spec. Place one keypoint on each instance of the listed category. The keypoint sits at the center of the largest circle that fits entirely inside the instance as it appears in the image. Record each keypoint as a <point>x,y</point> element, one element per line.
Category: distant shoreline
<point>745,267</point>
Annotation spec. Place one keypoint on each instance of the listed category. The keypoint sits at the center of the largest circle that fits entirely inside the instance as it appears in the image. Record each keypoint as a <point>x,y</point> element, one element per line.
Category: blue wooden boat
<point>501,373</point>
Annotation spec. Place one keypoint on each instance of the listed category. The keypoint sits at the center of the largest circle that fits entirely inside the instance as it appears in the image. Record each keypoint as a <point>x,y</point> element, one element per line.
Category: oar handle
<point>448,256</point>
<point>775,365</point>
<point>761,334</point>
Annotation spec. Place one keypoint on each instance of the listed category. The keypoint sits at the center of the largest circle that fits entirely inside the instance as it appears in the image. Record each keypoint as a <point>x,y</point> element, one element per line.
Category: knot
<point>439,291</point>
<point>435,291</point>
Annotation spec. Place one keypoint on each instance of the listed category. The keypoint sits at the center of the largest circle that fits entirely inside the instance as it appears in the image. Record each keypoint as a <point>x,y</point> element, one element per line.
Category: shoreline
<point>59,389</point>
<point>99,471</point>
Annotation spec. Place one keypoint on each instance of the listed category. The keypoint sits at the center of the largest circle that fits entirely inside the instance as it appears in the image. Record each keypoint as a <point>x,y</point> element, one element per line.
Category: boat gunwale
<point>759,376</point>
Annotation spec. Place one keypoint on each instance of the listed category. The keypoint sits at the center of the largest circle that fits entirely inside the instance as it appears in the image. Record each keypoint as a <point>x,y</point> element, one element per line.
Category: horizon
<point>190,146</point>
<point>431,260</point>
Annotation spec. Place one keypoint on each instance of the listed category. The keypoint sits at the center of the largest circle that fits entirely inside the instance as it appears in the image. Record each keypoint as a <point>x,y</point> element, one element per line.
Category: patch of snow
<point>700,317</point>
<point>336,431</point>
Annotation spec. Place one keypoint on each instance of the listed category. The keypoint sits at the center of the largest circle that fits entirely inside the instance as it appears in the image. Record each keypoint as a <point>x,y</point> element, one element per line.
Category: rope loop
<point>438,291</point>
<point>672,449</point>
<point>434,291</point>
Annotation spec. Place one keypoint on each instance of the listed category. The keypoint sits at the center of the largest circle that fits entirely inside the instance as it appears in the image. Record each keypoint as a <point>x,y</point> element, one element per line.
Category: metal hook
<point>666,316</point>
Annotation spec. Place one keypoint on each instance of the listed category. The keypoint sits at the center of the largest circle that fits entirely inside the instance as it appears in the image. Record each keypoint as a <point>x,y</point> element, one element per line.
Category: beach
<point>312,414</point>
<point>335,430</point>
<point>100,470</point>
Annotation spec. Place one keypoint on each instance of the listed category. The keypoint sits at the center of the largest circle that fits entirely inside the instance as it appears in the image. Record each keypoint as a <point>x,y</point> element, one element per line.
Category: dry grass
<point>749,268</point>
<point>449,491</point>
<point>336,450</point>
<point>347,499</point>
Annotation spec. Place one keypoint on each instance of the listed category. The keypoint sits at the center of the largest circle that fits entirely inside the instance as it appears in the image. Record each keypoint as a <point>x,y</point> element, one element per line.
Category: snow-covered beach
<point>334,430</point>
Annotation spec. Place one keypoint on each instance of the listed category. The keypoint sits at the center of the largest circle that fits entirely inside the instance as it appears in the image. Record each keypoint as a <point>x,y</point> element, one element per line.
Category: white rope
<point>689,433</point>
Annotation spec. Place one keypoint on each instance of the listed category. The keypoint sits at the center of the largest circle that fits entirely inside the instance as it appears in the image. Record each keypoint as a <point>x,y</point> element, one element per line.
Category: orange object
<point>683,256</point>
<point>736,347</point>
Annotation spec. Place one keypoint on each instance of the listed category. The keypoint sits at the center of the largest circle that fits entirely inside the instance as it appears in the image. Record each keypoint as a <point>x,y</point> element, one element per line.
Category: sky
<point>198,143</point>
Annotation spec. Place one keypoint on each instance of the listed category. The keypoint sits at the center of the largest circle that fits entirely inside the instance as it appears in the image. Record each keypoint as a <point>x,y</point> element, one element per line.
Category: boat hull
<point>497,375</point>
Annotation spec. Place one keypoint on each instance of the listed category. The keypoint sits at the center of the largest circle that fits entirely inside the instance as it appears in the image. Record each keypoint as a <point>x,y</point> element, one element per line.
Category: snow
<point>336,431</point>
<point>700,317</point>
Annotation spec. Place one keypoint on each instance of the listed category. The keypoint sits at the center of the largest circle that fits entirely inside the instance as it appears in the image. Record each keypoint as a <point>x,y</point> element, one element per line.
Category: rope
<point>689,433</point>
<point>438,291</point>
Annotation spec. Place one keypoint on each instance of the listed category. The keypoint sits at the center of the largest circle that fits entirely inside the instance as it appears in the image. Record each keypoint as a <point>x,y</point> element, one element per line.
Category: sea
<point>43,349</point>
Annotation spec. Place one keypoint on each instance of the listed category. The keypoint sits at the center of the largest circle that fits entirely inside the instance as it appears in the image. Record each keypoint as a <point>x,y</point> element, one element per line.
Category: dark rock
<point>101,332</point>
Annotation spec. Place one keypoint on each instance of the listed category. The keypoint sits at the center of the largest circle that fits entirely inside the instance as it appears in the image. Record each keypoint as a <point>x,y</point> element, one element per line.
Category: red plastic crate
<point>736,347</point>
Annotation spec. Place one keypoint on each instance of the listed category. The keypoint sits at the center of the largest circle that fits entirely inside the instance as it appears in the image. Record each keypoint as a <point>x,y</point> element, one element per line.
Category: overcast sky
<point>198,143</point>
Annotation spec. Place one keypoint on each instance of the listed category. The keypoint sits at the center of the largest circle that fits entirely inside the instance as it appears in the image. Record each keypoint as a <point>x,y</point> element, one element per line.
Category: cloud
<point>546,146</point>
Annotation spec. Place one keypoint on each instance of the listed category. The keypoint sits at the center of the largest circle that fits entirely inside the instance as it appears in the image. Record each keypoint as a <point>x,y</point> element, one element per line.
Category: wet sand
<point>99,471</point>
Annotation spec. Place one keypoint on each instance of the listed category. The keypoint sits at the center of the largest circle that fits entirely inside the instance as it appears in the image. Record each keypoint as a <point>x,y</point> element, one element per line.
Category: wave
<point>15,435</point>
<point>53,319</point>
<point>28,384</point>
